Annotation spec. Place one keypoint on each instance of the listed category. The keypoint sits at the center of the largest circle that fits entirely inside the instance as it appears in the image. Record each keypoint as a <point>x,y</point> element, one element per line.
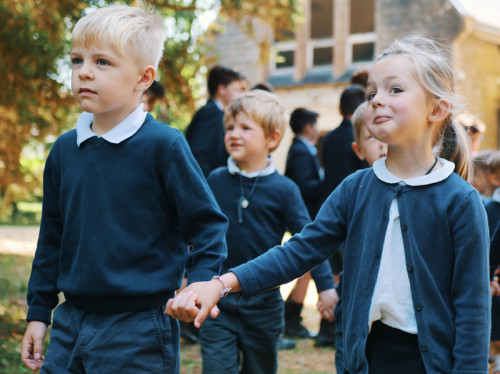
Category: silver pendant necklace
<point>243,201</point>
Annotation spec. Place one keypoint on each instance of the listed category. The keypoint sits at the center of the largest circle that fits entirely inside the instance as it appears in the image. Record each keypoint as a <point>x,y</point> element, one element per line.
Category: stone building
<point>311,67</point>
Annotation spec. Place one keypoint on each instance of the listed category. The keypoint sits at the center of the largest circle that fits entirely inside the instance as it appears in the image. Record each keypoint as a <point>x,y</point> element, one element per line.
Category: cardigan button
<point>404,227</point>
<point>423,348</point>
<point>409,268</point>
<point>190,248</point>
<point>397,188</point>
<point>418,307</point>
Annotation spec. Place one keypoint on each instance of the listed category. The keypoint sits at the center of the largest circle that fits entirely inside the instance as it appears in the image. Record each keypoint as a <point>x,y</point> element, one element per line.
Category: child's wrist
<point>225,290</point>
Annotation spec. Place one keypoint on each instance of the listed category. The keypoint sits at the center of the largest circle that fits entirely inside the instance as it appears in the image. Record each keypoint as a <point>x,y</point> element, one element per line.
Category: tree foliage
<point>35,104</point>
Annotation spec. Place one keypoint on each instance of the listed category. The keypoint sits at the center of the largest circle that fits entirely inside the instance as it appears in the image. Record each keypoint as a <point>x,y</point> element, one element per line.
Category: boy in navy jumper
<point>123,198</point>
<point>261,205</point>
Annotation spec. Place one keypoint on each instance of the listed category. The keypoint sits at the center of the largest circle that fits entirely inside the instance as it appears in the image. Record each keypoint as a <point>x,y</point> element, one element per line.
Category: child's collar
<point>233,168</point>
<point>382,173</point>
<point>124,130</point>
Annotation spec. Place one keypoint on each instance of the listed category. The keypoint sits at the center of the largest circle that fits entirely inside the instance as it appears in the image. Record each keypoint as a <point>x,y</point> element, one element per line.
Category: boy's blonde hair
<point>264,108</point>
<point>358,121</point>
<point>137,31</point>
<point>432,69</point>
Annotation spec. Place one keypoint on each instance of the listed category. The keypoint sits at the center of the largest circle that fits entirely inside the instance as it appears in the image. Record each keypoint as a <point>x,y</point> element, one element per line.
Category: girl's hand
<point>195,302</point>
<point>327,300</point>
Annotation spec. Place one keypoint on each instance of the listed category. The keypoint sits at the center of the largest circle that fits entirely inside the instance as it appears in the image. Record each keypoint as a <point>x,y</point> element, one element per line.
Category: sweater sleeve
<point>312,246</point>
<point>202,224</point>
<point>297,218</point>
<point>470,289</point>
<point>42,286</point>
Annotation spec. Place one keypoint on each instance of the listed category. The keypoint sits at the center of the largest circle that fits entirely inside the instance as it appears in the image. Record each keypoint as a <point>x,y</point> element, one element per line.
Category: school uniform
<point>303,168</point>
<point>118,210</point>
<point>205,136</point>
<point>492,207</point>
<point>260,207</point>
<point>441,266</point>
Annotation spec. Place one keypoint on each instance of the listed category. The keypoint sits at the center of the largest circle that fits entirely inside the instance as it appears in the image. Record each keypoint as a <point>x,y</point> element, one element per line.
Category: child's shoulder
<point>158,130</point>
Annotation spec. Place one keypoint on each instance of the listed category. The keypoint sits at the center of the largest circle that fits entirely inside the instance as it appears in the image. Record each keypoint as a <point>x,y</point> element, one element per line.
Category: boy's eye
<point>370,96</point>
<point>395,90</point>
<point>102,62</point>
<point>76,60</point>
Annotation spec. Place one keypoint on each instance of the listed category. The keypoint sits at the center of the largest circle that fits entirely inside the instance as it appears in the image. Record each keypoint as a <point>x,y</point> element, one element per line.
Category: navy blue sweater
<point>275,207</point>
<point>117,220</point>
<point>446,244</point>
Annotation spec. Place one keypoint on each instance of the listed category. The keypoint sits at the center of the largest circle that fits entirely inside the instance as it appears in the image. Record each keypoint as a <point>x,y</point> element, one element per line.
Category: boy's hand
<point>327,300</point>
<point>32,345</point>
<point>195,302</point>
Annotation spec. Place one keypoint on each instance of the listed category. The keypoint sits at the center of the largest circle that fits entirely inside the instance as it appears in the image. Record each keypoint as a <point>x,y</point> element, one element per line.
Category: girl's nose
<point>377,99</point>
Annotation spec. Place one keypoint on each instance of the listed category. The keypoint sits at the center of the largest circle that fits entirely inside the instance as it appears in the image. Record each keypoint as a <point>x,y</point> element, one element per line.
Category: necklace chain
<point>243,201</point>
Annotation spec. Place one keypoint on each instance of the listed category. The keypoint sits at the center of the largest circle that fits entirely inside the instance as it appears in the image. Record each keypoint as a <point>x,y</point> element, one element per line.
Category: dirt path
<point>19,240</point>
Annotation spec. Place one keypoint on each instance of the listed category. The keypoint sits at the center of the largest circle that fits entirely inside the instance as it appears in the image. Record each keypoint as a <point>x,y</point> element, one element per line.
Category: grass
<point>13,286</point>
<point>14,274</point>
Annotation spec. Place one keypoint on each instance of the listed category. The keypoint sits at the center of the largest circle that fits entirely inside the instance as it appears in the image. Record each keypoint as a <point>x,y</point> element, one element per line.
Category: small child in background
<point>481,179</point>
<point>261,205</point>
<point>416,291</point>
<point>492,207</point>
<point>365,145</point>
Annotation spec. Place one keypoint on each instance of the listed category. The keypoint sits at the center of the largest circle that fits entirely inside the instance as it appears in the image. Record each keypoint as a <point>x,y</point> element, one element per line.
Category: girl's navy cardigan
<point>446,244</point>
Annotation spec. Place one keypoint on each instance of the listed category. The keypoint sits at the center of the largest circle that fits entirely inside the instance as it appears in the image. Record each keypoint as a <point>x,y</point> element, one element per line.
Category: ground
<point>17,246</point>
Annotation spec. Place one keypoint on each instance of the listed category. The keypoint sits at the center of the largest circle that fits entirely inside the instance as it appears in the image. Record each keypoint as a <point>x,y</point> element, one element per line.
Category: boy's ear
<point>273,140</point>
<point>357,149</point>
<point>440,112</point>
<point>147,78</point>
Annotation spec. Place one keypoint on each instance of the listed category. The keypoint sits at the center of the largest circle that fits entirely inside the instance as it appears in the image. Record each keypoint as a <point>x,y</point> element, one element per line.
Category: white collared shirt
<point>392,301</point>
<point>233,168</point>
<point>124,130</point>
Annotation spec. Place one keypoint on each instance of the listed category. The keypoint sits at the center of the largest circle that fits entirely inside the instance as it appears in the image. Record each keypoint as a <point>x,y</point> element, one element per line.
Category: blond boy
<point>365,146</point>
<point>260,205</point>
<point>122,198</point>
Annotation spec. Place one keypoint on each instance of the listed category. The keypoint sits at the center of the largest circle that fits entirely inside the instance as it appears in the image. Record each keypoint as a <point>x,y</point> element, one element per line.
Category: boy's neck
<point>253,166</point>
<point>105,122</point>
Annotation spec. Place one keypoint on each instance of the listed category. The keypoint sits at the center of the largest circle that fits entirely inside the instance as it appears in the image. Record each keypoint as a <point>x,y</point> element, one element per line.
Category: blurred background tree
<point>36,104</point>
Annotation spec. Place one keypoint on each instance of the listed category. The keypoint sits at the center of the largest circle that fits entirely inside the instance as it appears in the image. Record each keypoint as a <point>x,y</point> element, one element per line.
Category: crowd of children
<point>129,212</point>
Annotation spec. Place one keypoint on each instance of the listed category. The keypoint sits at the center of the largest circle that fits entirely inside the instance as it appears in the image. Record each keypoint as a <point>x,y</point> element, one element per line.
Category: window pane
<point>321,19</point>
<point>284,59</point>
<point>323,56</point>
<point>362,16</point>
<point>363,52</point>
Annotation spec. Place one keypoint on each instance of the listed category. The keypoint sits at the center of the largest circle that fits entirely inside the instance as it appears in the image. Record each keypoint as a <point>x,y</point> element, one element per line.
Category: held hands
<point>195,302</point>
<point>32,345</point>
<point>327,300</point>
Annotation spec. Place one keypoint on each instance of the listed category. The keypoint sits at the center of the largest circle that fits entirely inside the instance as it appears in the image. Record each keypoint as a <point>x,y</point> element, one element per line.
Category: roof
<point>486,13</point>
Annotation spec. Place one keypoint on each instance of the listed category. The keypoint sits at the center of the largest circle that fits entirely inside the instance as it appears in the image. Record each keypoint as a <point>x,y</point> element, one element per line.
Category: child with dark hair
<point>205,133</point>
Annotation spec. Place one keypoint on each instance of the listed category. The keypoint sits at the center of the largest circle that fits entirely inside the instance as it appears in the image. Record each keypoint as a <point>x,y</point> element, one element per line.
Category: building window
<point>318,39</point>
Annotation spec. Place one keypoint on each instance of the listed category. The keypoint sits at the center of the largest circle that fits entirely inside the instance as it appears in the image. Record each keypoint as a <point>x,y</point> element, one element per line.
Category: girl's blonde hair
<point>432,69</point>
<point>264,108</point>
<point>137,31</point>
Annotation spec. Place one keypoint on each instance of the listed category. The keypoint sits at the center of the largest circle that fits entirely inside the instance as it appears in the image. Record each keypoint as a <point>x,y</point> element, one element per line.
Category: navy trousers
<point>247,327</point>
<point>126,343</point>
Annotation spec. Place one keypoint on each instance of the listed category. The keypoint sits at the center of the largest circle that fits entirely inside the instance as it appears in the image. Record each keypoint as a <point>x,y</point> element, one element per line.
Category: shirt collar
<point>496,195</point>
<point>124,130</point>
<point>310,147</point>
<point>233,168</point>
<point>382,173</point>
<point>219,104</point>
